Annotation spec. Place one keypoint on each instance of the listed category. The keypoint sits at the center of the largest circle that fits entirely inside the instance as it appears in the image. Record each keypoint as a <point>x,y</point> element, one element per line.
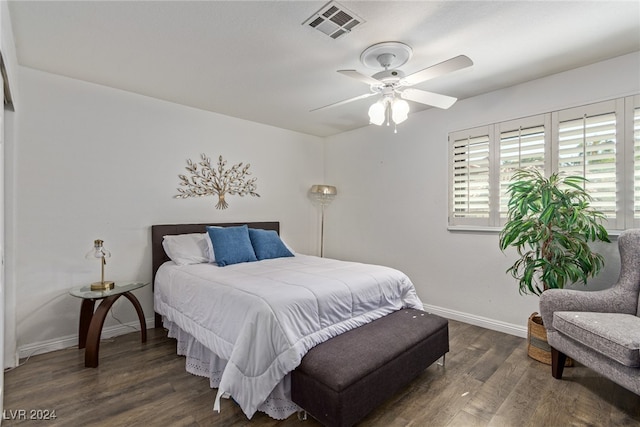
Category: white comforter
<point>263,317</point>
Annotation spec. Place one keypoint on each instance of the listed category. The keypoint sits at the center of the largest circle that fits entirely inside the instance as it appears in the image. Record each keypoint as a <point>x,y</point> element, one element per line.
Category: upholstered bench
<point>343,379</point>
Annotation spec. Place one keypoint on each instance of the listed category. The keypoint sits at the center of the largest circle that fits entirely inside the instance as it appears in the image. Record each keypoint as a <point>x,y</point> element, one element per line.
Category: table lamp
<point>100,252</point>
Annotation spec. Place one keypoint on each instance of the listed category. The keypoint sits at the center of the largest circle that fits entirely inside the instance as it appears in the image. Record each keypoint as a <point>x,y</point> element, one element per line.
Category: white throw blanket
<point>263,317</point>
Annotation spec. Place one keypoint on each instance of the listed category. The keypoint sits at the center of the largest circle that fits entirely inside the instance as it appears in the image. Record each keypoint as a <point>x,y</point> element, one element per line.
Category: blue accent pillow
<point>231,245</point>
<point>267,244</point>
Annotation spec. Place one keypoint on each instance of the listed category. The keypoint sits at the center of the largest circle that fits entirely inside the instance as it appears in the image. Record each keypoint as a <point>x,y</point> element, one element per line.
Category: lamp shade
<point>327,190</point>
<point>98,250</point>
<point>323,194</point>
<point>399,110</point>
<point>377,112</point>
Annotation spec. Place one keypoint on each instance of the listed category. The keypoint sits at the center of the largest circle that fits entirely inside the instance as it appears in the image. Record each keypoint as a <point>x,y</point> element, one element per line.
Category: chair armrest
<point>611,300</point>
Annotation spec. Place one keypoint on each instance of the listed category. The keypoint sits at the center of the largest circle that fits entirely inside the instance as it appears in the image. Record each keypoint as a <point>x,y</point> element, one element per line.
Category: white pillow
<point>210,252</point>
<point>288,247</point>
<point>186,249</point>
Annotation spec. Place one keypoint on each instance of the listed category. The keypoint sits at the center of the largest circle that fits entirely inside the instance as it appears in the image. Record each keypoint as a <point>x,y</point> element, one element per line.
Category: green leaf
<point>550,222</point>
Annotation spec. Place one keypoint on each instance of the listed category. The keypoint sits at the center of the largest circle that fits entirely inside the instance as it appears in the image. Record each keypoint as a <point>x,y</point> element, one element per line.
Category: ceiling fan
<point>392,83</point>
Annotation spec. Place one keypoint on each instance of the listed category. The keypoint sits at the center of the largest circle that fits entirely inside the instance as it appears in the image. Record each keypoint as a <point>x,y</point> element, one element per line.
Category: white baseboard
<point>72,340</point>
<point>484,322</point>
<point>125,328</point>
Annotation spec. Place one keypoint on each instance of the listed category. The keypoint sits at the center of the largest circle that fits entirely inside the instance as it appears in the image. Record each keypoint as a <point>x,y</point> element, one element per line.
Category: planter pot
<point>537,346</point>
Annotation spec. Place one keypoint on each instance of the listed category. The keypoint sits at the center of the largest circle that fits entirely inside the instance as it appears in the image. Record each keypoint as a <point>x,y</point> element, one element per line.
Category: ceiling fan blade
<point>346,101</point>
<point>361,77</point>
<point>428,98</point>
<point>445,67</point>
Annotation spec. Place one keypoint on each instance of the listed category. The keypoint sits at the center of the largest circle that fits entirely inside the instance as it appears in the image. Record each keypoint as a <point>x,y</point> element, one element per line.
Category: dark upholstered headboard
<point>158,255</point>
<point>158,231</point>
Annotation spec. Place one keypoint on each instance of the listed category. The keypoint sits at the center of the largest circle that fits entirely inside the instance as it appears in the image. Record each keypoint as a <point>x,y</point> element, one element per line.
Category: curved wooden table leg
<point>138,307</point>
<point>95,330</point>
<point>86,313</point>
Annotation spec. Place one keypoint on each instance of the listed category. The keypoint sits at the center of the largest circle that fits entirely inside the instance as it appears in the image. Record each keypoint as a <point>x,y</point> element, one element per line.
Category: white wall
<point>94,162</point>
<point>392,203</point>
<point>7,294</point>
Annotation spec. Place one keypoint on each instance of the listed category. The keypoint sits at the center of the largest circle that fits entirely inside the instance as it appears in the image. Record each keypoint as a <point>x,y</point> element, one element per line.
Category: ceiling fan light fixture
<point>399,110</point>
<point>395,86</point>
<point>377,112</point>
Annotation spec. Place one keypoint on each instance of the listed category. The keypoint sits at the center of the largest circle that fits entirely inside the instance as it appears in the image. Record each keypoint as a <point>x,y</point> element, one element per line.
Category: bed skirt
<point>202,362</point>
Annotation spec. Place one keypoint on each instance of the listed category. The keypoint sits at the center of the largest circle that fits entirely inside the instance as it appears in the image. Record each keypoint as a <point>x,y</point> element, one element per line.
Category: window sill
<point>495,230</point>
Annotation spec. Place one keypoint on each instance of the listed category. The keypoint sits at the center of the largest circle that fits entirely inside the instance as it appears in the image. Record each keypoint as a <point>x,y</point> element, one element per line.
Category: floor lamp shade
<point>322,195</point>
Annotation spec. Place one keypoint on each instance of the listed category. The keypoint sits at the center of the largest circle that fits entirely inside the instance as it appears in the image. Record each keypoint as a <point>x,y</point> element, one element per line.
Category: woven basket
<point>537,346</point>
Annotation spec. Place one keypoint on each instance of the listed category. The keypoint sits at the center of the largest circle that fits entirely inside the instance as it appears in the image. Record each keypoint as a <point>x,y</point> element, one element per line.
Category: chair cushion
<point>615,335</point>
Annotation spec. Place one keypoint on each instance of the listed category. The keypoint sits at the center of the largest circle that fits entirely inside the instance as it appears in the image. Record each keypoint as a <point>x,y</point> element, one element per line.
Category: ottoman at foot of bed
<point>341,380</point>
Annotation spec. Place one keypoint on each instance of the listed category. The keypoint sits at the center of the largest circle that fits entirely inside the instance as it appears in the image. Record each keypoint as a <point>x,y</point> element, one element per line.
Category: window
<point>634,109</point>
<point>470,176</point>
<point>522,144</point>
<point>587,147</point>
<point>600,142</point>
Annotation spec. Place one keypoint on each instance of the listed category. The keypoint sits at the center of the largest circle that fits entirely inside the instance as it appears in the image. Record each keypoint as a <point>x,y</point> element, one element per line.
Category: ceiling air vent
<point>333,20</point>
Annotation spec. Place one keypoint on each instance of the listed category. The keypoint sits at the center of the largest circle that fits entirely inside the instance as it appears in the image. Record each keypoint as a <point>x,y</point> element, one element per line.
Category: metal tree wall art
<point>209,180</point>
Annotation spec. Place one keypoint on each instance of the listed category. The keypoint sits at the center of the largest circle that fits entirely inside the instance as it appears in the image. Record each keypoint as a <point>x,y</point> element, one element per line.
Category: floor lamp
<point>322,195</point>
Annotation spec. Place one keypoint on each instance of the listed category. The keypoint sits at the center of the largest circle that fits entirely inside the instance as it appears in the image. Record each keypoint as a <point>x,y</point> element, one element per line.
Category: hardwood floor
<point>488,380</point>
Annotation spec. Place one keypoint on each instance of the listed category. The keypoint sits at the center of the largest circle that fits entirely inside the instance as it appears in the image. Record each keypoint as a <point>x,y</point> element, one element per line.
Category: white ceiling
<point>256,61</point>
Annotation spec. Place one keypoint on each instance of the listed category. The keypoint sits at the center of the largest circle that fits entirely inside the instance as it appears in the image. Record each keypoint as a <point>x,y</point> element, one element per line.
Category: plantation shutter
<point>522,145</point>
<point>469,198</point>
<point>587,148</point>
<point>636,161</point>
<point>600,142</point>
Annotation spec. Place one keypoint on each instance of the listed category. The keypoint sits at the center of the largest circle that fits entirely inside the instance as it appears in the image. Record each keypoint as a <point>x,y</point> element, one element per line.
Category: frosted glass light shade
<point>98,250</point>
<point>399,110</point>
<point>377,112</point>
<point>323,194</point>
<point>326,190</point>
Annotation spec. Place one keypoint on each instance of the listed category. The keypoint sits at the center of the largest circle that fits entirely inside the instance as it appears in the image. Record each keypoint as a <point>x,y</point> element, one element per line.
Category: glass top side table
<point>91,322</point>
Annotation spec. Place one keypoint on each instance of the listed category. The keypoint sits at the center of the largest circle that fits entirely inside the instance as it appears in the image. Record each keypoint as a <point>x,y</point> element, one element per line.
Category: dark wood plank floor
<point>488,380</point>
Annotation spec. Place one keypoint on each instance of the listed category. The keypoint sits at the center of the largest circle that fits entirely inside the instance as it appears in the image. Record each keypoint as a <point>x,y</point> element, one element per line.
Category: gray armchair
<point>600,329</point>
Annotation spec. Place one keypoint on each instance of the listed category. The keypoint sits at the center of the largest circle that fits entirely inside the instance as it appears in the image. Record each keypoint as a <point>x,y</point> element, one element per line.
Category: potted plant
<point>550,222</point>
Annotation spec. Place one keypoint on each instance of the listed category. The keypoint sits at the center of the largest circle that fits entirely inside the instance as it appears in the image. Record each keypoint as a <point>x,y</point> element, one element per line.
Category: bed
<point>247,325</point>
